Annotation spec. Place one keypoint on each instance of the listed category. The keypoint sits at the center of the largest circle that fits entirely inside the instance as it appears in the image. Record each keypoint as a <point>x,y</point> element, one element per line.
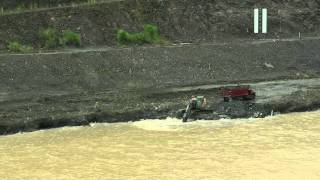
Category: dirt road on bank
<point>266,91</point>
<point>218,43</point>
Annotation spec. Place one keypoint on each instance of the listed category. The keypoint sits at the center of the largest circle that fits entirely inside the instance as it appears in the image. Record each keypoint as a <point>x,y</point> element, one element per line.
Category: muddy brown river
<point>279,147</point>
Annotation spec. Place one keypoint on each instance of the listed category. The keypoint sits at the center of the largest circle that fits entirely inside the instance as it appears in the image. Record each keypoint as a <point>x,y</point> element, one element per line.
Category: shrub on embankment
<point>70,38</point>
<point>51,38</point>
<point>150,35</point>
<point>15,46</point>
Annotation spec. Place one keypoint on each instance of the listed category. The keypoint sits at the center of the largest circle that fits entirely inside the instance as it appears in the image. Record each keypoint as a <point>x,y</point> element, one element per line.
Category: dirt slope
<point>178,20</point>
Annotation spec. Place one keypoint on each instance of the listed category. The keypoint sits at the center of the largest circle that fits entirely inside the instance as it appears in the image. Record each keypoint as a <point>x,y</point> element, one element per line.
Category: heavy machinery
<point>237,92</point>
<point>197,103</point>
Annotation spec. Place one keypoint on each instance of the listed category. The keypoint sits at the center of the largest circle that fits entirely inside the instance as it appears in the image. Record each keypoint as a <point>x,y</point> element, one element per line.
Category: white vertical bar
<point>264,21</point>
<point>256,21</point>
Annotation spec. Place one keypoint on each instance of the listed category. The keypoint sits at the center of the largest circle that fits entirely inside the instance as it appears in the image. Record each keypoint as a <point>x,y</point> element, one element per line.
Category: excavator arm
<point>187,113</point>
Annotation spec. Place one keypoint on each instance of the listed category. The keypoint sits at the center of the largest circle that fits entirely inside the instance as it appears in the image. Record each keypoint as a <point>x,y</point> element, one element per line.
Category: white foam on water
<point>168,124</point>
<point>174,124</point>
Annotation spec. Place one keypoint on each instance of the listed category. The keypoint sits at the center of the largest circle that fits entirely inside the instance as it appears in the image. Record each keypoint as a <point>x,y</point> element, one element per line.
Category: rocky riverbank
<point>84,108</point>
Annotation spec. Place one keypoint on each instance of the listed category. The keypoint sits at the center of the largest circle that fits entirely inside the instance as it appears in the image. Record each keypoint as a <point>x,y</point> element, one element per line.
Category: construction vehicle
<point>237,92</point>
<point>196,103</point>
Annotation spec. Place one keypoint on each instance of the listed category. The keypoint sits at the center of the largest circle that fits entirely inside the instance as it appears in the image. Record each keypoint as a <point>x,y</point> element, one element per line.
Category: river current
<point>278,147</point>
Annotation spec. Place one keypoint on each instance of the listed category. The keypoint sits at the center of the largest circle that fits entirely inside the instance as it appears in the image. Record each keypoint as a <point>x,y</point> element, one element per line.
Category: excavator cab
<point>196,103</point>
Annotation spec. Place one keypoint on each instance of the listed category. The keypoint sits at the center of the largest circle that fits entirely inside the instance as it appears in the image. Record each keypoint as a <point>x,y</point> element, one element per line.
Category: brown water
<point>281,147</point>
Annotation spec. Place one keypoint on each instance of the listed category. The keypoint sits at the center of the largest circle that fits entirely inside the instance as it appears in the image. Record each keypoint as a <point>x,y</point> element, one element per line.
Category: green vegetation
<point>150,35</point>
<point>70,38</point>
<point>122,36</point>
<point>15,46</point>
<point>51,38</point>
<point>91,1</point>
<point>21,7</point>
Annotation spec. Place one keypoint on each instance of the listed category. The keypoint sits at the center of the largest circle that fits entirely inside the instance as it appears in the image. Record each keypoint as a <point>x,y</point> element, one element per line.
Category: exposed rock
<point>268,65</point>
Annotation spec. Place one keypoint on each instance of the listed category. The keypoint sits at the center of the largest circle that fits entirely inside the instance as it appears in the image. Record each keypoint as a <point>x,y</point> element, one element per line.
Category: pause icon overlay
<point>260,20</point>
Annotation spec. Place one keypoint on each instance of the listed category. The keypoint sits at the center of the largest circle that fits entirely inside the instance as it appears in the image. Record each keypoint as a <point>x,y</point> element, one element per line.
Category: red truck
<point>237,92</point>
